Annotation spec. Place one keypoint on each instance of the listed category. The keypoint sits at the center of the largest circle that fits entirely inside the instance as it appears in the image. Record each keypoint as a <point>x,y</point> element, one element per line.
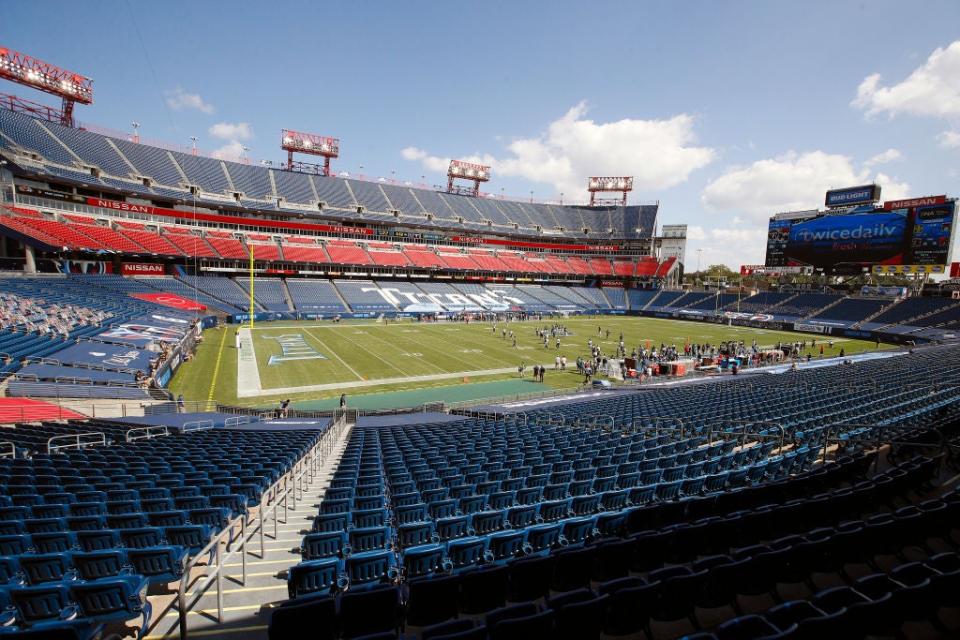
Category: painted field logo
<point>294,348</point>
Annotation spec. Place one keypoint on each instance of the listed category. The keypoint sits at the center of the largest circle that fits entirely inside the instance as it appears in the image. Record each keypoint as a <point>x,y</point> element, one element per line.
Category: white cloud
<point>230,151</point>
<point>949,139</point>
<point>658,153</point>
<point>179,99</point>
<point>890,155</point>
<point>932,89</point>
<point>431,163</point>
<point>231,130</point>
<point>789,182</point>
<point>732,246</point>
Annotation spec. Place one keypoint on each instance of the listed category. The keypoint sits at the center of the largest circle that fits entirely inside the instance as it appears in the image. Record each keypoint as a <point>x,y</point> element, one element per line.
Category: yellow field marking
<point>216,367</point>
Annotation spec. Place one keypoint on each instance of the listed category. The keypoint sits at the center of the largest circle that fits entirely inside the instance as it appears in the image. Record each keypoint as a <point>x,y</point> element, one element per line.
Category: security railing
<point>76,441</point>
<point>197,425</point>
<point>146,433</point>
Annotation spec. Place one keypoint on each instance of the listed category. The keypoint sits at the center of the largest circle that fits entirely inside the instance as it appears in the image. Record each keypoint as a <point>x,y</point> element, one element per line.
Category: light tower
<point>622,184</point>
<point>43,76</point>
<point>476,173</point>
<point>311,143</point>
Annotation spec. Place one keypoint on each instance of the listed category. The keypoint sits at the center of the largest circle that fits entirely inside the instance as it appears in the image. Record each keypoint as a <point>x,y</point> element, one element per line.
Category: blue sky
<point>726,112</point>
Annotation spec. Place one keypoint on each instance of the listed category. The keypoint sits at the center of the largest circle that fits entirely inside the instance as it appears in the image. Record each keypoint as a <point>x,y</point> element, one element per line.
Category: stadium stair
<point>821,310</point>
<point>929,314</point>
<point>883,309</point>
<point>771,308</point>
<point>245,615</point>
<point>286,295</point>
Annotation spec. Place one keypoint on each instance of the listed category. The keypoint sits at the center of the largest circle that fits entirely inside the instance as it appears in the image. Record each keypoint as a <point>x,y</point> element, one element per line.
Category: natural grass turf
<point>371,351</point>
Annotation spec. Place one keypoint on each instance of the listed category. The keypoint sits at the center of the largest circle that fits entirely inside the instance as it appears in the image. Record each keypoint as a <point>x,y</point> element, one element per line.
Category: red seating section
<point>127,236</point>
<point>266,252</point>
<point>191,245</point>
<point>297,252</point>
<point>347,253</point>
<point>665,266</point>
<point>458,261</point>
<point>110,238</point>
<point>152,241</point>
<point>228,247</point>
<point>388,258</point>
<point>15,223</point>
<point>579,266</point>
<point>601,266</point>
<point>423,258</point>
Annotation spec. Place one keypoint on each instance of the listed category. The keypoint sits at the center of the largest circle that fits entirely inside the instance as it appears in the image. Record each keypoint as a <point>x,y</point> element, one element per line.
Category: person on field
<point>343,401</point>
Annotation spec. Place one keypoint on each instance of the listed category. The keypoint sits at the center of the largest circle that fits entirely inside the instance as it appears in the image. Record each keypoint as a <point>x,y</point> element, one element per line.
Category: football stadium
<point>286,398</point>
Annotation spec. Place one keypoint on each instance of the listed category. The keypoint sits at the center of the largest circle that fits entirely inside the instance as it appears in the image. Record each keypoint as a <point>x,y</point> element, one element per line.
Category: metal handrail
<point>196,425</point>
<point>607,420</point>
<point>12,453</point>
<point>680,430</point>
<point>212,547</point>
<point>152,431</point>
<point>74,441</point>
<point>236,421</point>
<point>307,467</point>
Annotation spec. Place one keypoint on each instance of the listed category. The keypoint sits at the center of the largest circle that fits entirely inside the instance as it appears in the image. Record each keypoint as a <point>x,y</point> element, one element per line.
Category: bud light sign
<point>853,196</point>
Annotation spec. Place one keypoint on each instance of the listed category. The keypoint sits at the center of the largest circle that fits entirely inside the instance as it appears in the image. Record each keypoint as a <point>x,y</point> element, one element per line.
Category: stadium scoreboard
<point>915,232</point>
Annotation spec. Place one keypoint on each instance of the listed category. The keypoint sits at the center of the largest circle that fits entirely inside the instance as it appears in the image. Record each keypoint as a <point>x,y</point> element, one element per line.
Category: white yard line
<point>334,354</point>
<point>362,348</point>
<point>381,381</point>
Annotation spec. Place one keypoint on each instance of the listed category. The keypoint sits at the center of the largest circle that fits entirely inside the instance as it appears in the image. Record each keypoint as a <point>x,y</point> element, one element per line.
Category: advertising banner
<point>909,268</point>
<point>905,232</point>
<point>141,269</point>
<point>170,300</point>
<point>853,195</point>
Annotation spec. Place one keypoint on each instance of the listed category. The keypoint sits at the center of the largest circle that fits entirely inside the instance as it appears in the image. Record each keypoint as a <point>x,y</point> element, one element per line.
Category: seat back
<point>472,504</point>
<point>107,599</point>
<point>40,604</point>
<point>142,538</point>
<point>450,528</point>
<point>465,552</point>
<point>410,513</point>
<point>46,567</point>
<point>158,564</point>
<point>94,565</point>
<point>370,566</point>
<point>55,542</point>
<point>313,576</point>
<point>369,518</point>
<point>576,530</point>
<point>542,537</point>
<point>323,545</point>
<point>100,540</point>
<point>368,538</point>
<point>326,522</point>
<point>422,560</point>
<point>417,533</point>
<point>505,545</point>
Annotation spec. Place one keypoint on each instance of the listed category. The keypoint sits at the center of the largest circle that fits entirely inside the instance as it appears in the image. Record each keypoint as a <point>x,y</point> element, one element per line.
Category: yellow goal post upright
<point>252,308</point>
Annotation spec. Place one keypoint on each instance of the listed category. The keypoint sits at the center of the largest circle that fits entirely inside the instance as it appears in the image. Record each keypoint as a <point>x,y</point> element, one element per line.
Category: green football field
<point>321,360</point>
